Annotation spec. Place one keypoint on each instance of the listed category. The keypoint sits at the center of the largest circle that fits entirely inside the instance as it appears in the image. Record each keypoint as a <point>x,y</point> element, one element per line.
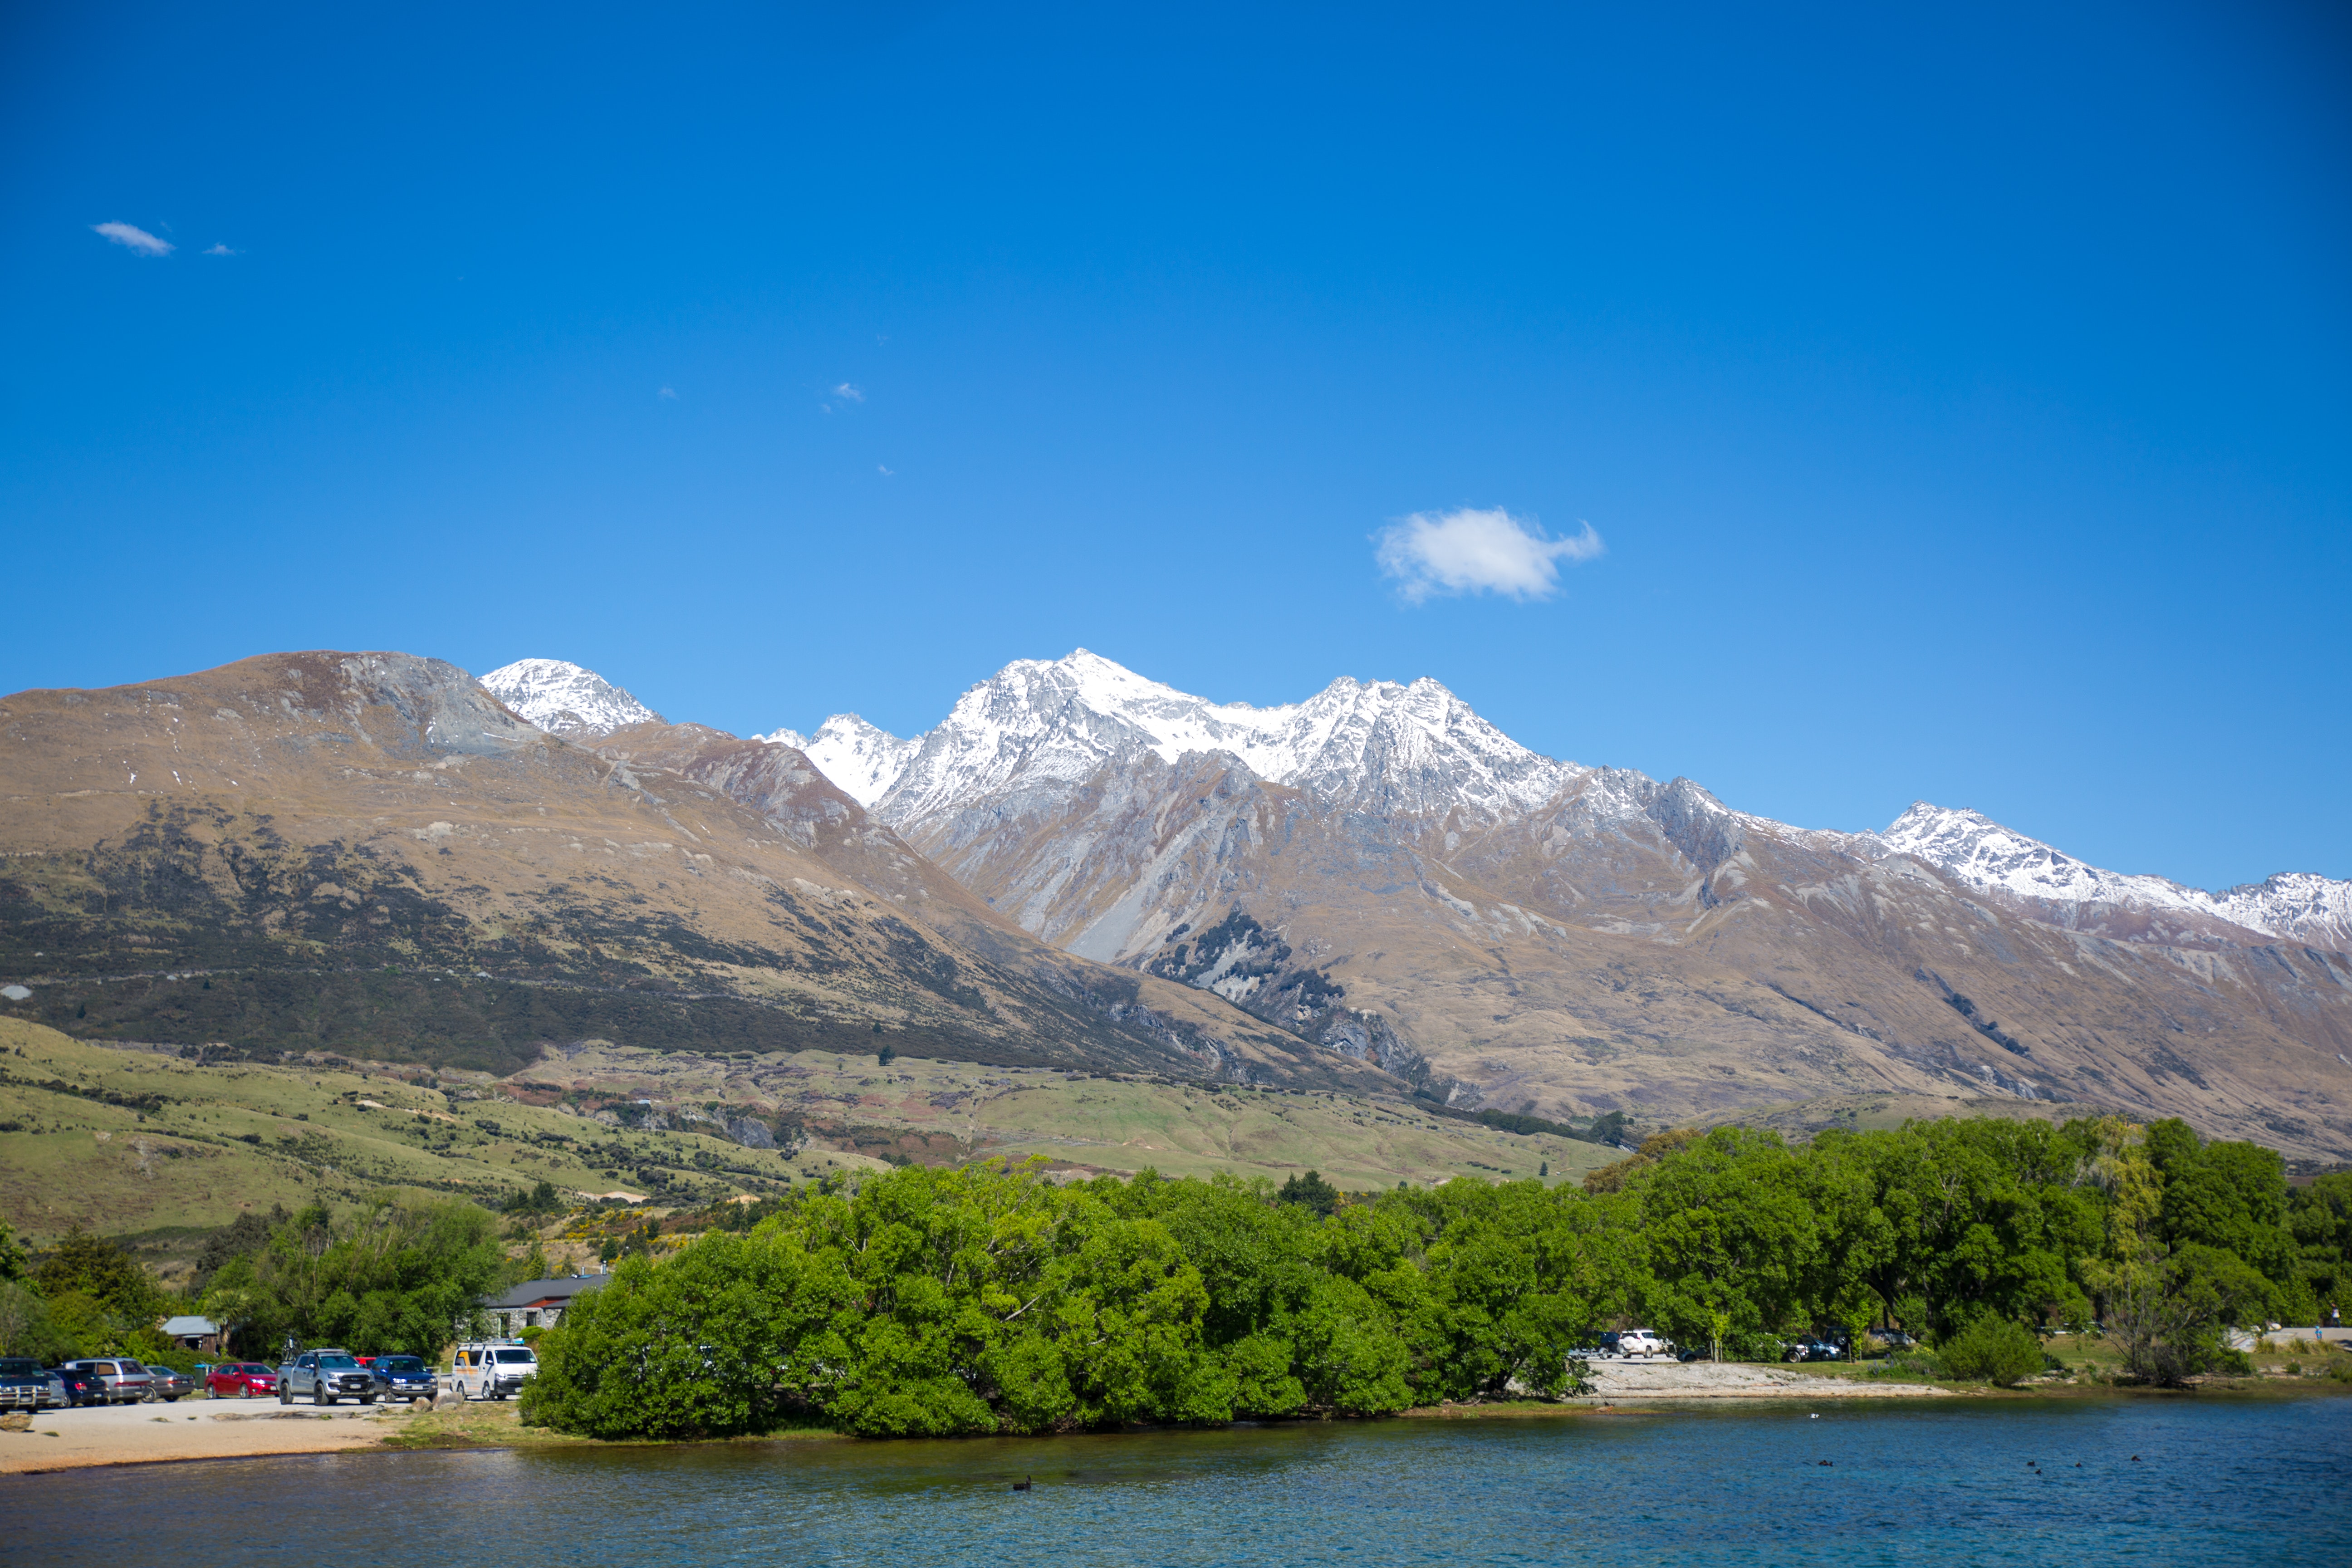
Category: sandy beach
<point>236,1429</point>
<point>190,1429</point>
<point>1619,1381</point>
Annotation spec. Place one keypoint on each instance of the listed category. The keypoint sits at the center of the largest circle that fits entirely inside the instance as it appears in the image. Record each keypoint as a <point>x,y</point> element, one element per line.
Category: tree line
<point>986,1299</point>
<point>395,1275</point>
<point>935,1303</point>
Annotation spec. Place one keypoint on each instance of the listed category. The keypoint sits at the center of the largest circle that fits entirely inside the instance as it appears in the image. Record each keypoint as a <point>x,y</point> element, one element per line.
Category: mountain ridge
<point>1303,744</point>
<point>1622,944</point>
<point>370,852</point>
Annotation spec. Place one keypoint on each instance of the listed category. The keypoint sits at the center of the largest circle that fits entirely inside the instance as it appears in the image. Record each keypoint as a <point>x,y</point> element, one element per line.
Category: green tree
<point>243,1236</point>
<point>395,1276</point>
<point>543,1199</point>
<point>102,1270</point>
<point>84,1325</point>
<point>2319,1219</point>
<point>1991,1350</point>
<point>1728,1231</point>
<point>734,1334</point>
<point>1310,1190</point>
<point>2166,1304</point>
<point>27,1327</point>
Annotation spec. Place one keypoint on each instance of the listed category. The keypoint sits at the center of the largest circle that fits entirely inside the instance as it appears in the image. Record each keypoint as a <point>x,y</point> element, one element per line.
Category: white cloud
<point>885,471</point>
<point>851,392</point>
<point>136,239</point>
<point>221,250</point>
<point>1473,550</point>
<point>668,392</point>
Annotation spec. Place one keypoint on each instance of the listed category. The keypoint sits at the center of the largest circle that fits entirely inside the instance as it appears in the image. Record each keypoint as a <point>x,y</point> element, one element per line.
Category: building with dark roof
<point>538,1303</point>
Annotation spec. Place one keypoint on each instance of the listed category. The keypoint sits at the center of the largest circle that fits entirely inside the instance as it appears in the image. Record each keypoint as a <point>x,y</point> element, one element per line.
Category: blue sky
<point>1960,400</point>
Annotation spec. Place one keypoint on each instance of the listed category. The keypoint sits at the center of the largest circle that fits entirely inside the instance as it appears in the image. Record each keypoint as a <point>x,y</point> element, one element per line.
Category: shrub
<point>1991,1350</point>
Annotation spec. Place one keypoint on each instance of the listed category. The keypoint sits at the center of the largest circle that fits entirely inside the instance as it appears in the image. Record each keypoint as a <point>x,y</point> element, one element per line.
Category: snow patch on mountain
<point>1972,848</point>
<point>562,698</point>
<point>862,760</point>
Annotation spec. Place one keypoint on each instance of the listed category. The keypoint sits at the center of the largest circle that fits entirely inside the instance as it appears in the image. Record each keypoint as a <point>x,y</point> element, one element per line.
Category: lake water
<point>2218,1481</point>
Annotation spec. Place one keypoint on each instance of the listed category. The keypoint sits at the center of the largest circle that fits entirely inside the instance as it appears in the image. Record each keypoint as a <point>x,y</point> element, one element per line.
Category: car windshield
<point>337,1362</point>
<point>13,1367</point>
<point>517,1358</point>
<point>133,1366</point>
<point>399,1363</point>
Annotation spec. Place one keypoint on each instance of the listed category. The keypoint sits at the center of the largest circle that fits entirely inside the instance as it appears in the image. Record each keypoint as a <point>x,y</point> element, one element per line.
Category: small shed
<point>200,1334</point>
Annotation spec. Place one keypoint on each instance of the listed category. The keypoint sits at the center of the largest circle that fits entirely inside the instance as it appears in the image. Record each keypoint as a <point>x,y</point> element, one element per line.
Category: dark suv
<point>325,1376</point>
<point>403,1377</point>
<point>82,1387</point>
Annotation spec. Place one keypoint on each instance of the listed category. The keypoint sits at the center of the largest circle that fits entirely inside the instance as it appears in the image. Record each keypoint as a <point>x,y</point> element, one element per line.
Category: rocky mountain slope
<point>1382,872</point>
<point>370,853</point>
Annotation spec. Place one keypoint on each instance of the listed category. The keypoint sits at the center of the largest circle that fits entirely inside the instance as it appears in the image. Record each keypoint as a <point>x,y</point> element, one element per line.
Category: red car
<point>242,1379</point>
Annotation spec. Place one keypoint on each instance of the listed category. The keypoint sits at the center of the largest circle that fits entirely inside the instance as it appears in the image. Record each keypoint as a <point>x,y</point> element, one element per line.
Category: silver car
<point>167,1385</point>
<point>325,1376</point>
<point>126,1382</point>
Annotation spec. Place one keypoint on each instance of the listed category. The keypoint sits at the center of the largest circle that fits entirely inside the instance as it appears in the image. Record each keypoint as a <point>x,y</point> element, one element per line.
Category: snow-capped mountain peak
<point>861,760</point>
<point>562,698</point>
<point>1416,748</point>
<point>1972,848</point>
<point>2300,905</point>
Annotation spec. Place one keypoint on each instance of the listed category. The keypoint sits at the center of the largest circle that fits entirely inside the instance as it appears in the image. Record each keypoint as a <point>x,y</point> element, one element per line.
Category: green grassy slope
<point>188,1145</point>
<point>1798,1121</point>
<point>130,1141</point>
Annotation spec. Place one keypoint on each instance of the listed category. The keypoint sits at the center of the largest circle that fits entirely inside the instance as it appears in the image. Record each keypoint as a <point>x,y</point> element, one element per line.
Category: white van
<point>492,1369</point>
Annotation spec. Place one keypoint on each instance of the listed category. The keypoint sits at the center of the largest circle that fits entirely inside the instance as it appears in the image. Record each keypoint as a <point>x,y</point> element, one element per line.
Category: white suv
<point>492,1369</point>
<point>1630,1343</point>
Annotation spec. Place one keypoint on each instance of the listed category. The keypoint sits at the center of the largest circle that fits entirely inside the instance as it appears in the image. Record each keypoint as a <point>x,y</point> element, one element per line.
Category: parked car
<point>1822,1350</point>
<point>26,1385</point>
<point>323,1377</point>
<point>241,1380</point>
<point>80,1387</point>
<point>126,1382</point>
<point>1624,1345</point>
<point>402,1377</point>
<point>492,1369</point>
<point>167,1385</point>
<point>1895,1339</point>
